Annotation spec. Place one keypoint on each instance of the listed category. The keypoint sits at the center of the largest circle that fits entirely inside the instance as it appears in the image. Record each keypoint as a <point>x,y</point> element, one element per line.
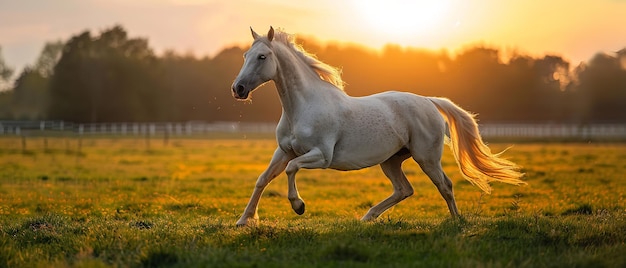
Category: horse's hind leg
<point>433,169</point>
<point>401,186</point>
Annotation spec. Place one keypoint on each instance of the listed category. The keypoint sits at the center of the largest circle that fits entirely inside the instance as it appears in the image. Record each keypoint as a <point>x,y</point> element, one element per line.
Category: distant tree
<point>113,77</point>
<point>6,73</point>
<point>6,107</point>
<point>70,91</point>
<point>478,80</point>
<point>551,77</point>
<point>30,98</point>
<point>30,95</point>
<point>106,78</point>
<point>601,89</point>
<point>48,58</point>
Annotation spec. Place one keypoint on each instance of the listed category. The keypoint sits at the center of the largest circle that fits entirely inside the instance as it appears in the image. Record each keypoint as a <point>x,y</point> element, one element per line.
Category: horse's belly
<point>369,139</point>
<point>358,155</point>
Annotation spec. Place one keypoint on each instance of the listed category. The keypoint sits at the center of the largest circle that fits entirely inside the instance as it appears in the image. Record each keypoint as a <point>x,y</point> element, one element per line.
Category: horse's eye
<point>262,57</point>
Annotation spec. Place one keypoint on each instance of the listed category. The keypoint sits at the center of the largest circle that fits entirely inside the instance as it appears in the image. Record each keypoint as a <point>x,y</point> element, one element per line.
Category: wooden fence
<point>615,132</point>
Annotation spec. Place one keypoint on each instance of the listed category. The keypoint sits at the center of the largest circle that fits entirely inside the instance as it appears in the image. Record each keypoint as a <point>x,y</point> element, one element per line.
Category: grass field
<point>100,202</point>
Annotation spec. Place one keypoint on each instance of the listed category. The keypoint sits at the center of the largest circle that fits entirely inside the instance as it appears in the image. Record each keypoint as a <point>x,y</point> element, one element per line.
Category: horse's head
<point>259,66</point>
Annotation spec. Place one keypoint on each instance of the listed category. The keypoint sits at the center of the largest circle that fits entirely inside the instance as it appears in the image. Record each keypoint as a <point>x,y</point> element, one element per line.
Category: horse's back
<point>424,124</point>
<point>417,111</point>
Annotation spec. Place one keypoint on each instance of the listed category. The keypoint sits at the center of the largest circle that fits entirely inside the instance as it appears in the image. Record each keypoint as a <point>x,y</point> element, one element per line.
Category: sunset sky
<point>574,29</point>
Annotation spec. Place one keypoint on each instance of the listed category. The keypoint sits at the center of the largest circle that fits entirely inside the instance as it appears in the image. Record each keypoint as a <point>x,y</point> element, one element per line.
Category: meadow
<point>126,202</point>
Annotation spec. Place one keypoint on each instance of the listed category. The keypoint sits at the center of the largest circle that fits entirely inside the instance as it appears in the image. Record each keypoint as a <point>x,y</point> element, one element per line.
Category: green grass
<point>114,202</point>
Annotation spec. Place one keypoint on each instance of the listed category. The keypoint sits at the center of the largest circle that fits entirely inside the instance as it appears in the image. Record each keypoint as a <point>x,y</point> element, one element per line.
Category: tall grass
<point>118,202</point>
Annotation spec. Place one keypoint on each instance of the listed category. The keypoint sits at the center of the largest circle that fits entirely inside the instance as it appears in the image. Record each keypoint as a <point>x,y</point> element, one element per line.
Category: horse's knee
<point>292,168</point>
<point>261,184</point>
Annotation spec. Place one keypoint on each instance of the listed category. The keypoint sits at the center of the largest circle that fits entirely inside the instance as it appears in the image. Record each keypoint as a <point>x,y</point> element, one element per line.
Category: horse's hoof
<point>300,210</point>
<point>247,221</point>
<point>298,207</point>
<point>242,223</point>
<point>368,218</point>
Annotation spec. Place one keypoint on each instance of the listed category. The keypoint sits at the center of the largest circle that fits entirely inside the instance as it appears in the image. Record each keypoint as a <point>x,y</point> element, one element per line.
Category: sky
<point>573,29</point>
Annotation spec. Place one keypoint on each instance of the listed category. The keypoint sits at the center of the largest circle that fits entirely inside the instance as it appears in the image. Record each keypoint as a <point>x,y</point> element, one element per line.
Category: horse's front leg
<point>312,159</point>
<point>277,165</point>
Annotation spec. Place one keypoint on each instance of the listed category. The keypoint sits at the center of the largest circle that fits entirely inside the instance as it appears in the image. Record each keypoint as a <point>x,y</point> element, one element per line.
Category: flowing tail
<point>478,165</point>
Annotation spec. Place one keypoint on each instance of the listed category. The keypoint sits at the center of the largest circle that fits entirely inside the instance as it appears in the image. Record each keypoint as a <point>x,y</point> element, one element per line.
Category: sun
<point>395,19</point>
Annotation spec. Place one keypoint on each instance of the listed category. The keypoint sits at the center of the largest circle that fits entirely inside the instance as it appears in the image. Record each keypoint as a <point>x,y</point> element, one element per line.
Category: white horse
<point>322,127</point>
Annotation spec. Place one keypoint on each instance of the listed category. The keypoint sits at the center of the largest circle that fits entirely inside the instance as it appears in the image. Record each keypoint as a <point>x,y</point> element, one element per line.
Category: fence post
<point>135,129</point>
<point>166,133</point>
<point>179,129</point>
<point>146,131</point>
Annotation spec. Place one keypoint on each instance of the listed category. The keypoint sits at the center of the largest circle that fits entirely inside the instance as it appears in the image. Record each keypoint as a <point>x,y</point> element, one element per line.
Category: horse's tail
<point>478,165</point>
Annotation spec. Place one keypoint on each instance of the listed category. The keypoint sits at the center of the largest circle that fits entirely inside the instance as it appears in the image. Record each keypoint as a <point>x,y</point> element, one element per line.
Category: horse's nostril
<point>240,89</point>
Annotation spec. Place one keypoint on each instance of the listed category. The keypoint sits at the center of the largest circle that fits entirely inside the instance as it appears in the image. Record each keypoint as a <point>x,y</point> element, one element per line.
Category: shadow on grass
<point>573,240</point>
<point>518,240</point>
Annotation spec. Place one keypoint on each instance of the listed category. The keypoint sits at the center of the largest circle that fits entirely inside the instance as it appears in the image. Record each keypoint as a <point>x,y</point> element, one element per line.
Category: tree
<point>50,55</point>
<point>111,77</point>
<point>106,78</point>
<point>6,73</point>
<point>30,95</point>
<point>601,89</point>
<point>69,91</point>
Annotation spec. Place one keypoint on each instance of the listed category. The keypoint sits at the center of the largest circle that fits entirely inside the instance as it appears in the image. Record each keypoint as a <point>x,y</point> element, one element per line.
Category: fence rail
<point>555,131</point>
<point>488,131</point>
<point>174,128</point>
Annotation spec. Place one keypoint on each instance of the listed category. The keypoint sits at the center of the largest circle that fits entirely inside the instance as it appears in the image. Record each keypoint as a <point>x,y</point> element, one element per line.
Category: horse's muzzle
<point>240,92</point>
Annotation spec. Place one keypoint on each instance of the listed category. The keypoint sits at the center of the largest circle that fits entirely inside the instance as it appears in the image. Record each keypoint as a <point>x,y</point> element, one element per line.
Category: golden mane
<point>326,72</point>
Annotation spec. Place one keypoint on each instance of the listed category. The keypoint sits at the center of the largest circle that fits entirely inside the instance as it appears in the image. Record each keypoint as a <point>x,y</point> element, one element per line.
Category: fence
<point>615,132</point>
<point>488,131</point>
<point>185,128</point>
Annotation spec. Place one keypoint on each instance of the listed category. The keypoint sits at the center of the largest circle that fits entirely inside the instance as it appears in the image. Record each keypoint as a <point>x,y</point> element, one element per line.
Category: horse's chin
<point>246,98</point>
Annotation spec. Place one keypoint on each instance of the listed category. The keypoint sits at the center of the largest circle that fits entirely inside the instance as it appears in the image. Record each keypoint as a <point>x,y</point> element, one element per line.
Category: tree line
<point>111,77</point>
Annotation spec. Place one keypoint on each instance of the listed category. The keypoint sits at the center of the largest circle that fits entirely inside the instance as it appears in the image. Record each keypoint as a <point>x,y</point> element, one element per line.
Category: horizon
<point>205,27</point>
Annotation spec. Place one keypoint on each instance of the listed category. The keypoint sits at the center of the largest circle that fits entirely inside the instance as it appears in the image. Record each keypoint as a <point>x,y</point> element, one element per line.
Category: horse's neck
<point>296,82</point>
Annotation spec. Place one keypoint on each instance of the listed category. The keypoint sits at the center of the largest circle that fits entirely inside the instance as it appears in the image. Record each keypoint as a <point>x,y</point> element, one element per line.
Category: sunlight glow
<point>397,19</point>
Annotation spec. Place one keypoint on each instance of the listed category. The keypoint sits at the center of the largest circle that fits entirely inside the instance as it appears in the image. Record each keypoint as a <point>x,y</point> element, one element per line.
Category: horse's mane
<point>326,72</point>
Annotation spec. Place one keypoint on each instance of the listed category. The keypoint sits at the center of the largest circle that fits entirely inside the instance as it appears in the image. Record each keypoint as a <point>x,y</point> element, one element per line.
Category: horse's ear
<point>270,34</point>
<point>254,34</point>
